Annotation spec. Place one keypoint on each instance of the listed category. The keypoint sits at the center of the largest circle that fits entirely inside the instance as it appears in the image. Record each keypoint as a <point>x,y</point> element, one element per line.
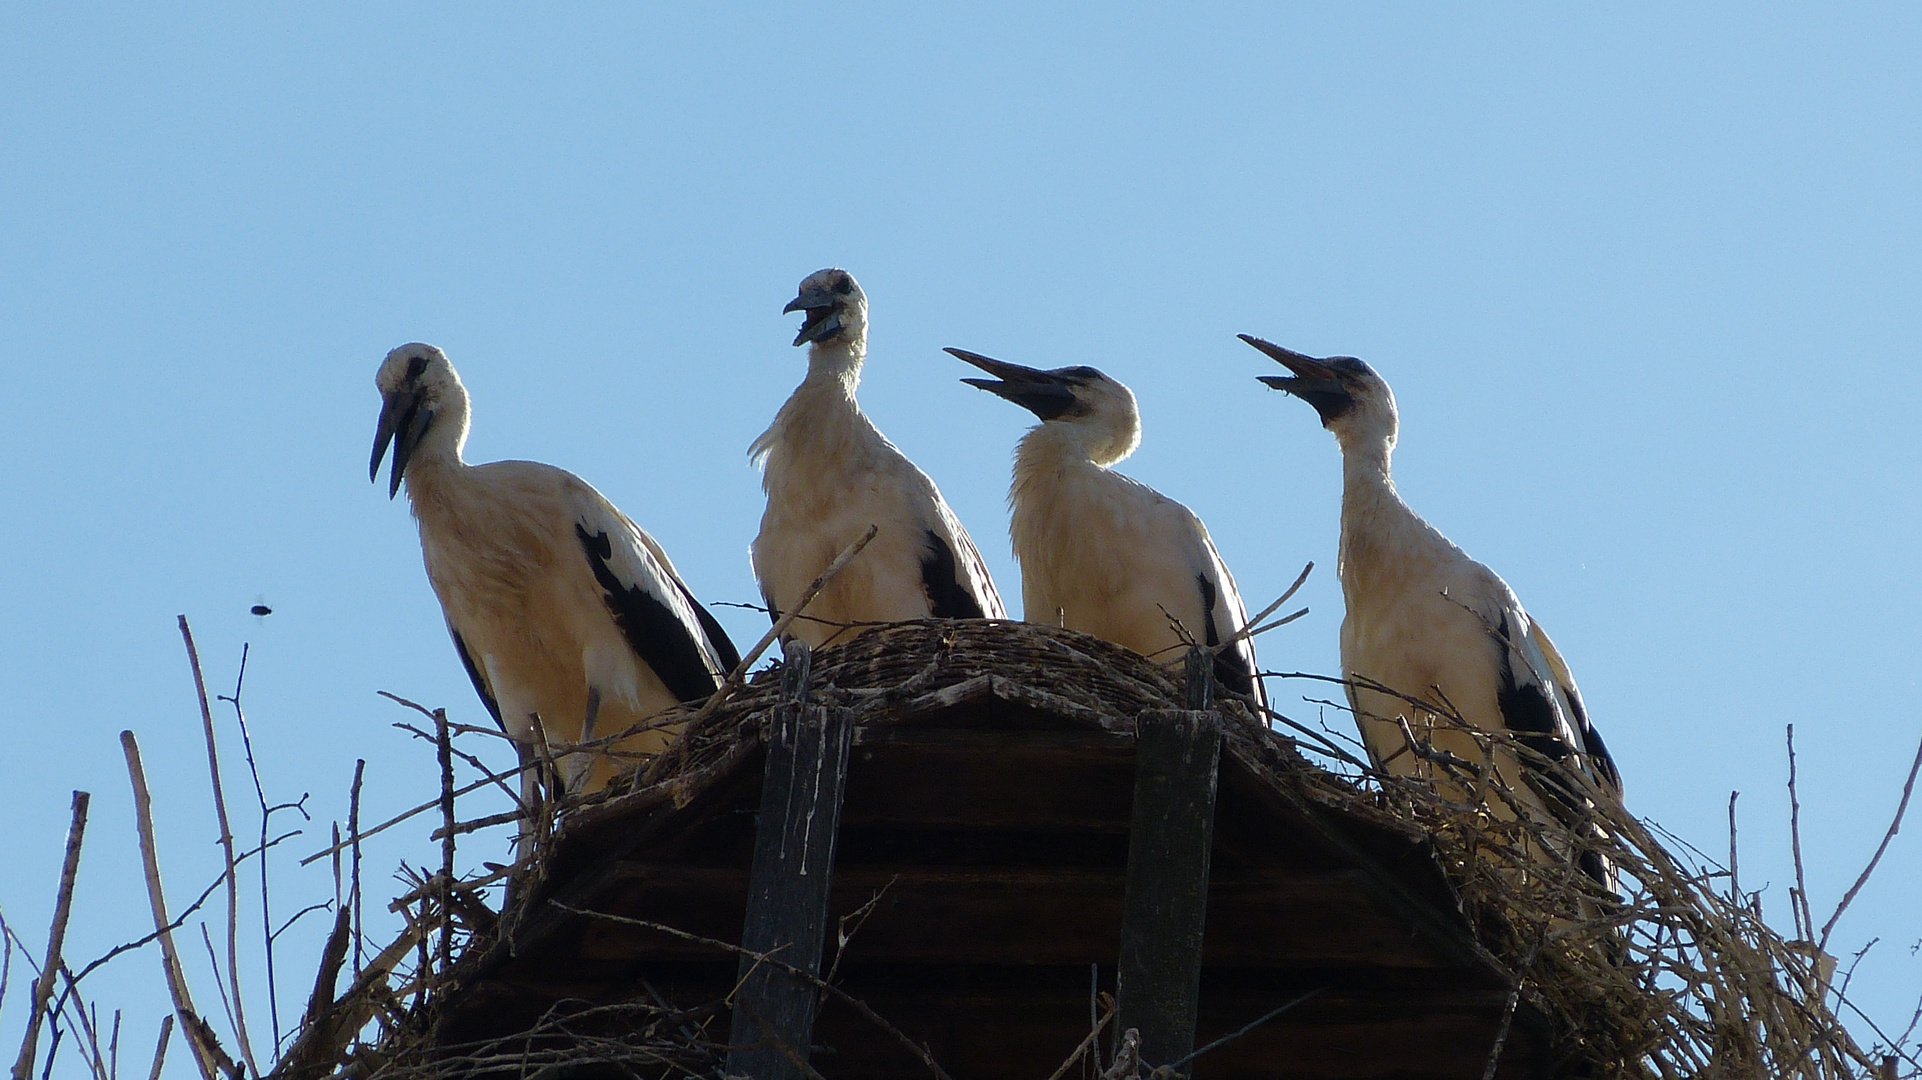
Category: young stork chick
<point>829,473</point>
<point>1427,621</point>
<point>1102,553</point>
<point>563,611</point>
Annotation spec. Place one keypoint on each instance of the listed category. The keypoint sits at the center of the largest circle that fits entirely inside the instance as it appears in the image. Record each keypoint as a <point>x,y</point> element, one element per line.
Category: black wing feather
<point>1528,711</point>
<point>480,685</point>
<point>724,650</point>
<point>1232,669</point>
<point>659,638</point>
<point>1592,741</point>
<point>947,597</point>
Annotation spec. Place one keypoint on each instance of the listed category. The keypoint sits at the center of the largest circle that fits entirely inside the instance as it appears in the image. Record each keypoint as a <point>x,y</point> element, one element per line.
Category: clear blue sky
<point>1644,279</point>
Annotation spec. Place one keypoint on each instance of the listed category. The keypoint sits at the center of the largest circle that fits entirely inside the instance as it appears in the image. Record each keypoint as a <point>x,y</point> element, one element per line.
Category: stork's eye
<point>416,368</point>
<point>844,286</point>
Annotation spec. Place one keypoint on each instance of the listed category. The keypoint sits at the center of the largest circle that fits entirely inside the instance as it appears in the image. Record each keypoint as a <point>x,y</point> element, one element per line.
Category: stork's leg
<point>581,763</point>
<point>524,838</point>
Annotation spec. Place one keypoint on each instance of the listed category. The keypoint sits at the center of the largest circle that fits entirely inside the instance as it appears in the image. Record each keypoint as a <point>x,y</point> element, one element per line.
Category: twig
<point>1253,627</point>
<point>1244,1029</point>
<point>353,839</point>
<point>1849,975</point>
<point>179,921</point>
<point>1322,743</point>
<point>332,956</point>
<point>56,937</point>
<point>457,729</point>
<point>444,746</point>
<point>1734,865</point>
<point>505,817</point>
<point>320,1043</point>
<point>226,841</point>
<point>859,916</point>
<point>53,1051</point>
<point>6,960</point>
<point>320,905</point>
<point>266,813</point>
<point>1799,899</point>
<point>160,1047</point>
<point>1084,1045</point>
<point>207,1056</point>
<point>1508,1011</point>
<point>857,1004</point>
<point>454,726</point>
<point>213,961</point>
<point>1908,789</point>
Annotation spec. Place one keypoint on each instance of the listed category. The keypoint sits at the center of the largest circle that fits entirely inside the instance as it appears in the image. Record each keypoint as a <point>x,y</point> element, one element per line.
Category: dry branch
<point>56,938</point>
<point>1895,826</point>
<point>208,1055</point>
<point>226,845</point>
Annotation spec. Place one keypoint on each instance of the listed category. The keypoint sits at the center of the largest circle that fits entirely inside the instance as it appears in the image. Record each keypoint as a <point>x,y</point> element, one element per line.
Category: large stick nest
<point>1669,979</point>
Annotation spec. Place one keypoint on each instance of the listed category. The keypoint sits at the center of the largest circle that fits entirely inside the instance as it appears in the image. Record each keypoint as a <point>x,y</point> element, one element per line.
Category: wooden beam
<point>787,906</point>
<point>1165,904</point>
<point>1010,915</point>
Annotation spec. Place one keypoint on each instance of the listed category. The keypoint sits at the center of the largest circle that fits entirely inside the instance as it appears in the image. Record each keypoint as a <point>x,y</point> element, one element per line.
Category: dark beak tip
<point>1274,382</point>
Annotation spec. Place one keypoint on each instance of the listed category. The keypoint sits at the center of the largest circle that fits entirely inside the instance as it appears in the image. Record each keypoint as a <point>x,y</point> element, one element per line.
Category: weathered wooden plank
<point>1052,746</point>
<point>1003,782</point>
<point>787,904</point>
<point>1414,1025</point>
<point>1170,836</point>
<point>1016,915</point>
<point>1014,1022</point>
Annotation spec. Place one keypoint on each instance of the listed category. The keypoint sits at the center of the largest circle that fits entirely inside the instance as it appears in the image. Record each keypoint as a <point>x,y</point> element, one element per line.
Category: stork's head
<point>1353,401</point>
<point>1097,413</point>
<point>422,402</point>
<point>837,309</point>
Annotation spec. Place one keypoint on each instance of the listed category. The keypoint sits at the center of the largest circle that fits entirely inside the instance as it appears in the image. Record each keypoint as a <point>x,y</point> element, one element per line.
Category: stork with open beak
<point>1103,553</point>
<point>829,473</point>
<point>1427,621</point>
<point>564,612</point>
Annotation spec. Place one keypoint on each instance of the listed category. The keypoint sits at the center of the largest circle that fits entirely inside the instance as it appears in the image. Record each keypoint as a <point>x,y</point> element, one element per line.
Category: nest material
<point>1669,979</point>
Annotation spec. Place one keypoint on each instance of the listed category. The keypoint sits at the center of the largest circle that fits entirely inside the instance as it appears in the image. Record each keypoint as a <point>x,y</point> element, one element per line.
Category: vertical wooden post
<point>787,905</point>
<point>1170,836</point>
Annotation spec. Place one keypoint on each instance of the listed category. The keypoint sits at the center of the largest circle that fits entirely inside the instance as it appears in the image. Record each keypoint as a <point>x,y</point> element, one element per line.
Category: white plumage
<point>1427,621</point>
<point>561,608</point>
<point>829,474</point>
<point>1100,552</point>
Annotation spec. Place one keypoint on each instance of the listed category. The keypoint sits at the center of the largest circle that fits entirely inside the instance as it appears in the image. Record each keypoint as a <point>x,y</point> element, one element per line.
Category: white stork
<point>563,611</point>
<point>829,473</point>
<point>1429,622</point>
<point>1103,553</point>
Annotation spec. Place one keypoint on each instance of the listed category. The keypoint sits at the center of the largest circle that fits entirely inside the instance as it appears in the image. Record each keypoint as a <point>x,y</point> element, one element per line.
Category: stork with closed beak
<point>1103,553</point>
<point>564,613</point>
<point>829,473</point>
<point>1427,621</point>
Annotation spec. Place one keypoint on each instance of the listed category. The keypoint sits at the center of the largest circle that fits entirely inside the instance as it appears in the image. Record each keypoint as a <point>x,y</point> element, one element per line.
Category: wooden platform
<point>992,819</point>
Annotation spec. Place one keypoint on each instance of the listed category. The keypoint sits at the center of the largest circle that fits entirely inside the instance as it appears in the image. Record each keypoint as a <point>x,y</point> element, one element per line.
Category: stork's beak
<point>1314,381</point>
<point>1042,393</point>
<point>824,315</point>
<point>404,419</point>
